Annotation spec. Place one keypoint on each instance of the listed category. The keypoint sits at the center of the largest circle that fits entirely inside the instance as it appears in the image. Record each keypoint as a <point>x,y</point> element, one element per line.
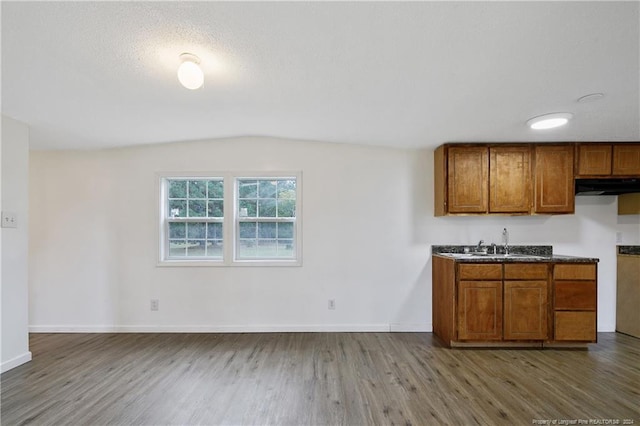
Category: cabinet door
<point>626,159</point>
<point>509,179</point>
<point>525,310</point>
<point>594,160</point>
<point>480,310</point>
<point>467,179</point>
<point>554,183</point>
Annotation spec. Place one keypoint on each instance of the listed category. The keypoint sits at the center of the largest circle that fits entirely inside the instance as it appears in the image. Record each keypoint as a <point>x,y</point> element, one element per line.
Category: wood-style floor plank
<point>315,379</point>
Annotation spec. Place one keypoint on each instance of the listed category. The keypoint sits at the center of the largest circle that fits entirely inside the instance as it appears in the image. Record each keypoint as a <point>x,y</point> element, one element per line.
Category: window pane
<point>247,188</point>
<point>285,230</point>
<point>216,189</point>
<point>287,189</point>
<point>197,189</point>
<point>285,248</point>
<point>177,248</point>
<point>247,248</point>
<point>196,248</point>
<point>196,230</point>
<point>267,208</point>
<point>197,208</point>
<point>286,208</point>
<point>215,208</point>
<point>177,189</point>
<point>177,208</point>
<point>267,248</point>
<point>177,230</point>
<point>214,248</point>
<point>267,230</point>
<point>214,231</point>
<point>248,229</point>
<point>267,188</point>
<point>247,208</point>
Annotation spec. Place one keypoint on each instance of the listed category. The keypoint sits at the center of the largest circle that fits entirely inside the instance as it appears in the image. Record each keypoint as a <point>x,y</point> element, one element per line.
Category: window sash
<point>291,252</point>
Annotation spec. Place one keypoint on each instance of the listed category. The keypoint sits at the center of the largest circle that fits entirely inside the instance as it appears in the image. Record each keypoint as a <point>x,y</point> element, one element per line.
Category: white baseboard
<point>13,363</point>
<point>289,328</point>
<point>410,328</point>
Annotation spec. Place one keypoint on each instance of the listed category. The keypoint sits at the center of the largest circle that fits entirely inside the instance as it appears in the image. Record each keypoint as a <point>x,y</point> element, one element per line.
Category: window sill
<point>220,263</point>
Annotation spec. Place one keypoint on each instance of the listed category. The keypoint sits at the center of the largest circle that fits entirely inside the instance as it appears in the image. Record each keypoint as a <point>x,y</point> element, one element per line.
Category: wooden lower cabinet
<point>514,304</point>
<point>525,310</point>
<point>575,299</point>
<point>480,310</point>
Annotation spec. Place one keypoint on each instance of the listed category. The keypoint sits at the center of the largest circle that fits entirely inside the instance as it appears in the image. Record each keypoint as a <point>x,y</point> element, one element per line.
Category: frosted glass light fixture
<point>549,121</point>
<point>190,74</point>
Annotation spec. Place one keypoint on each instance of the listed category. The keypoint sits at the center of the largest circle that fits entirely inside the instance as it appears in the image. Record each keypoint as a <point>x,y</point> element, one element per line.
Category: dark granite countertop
<point>632,250</point>
<point>529,254</point>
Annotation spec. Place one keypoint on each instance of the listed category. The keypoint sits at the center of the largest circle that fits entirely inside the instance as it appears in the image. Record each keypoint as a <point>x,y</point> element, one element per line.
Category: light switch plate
<point>9,220</point>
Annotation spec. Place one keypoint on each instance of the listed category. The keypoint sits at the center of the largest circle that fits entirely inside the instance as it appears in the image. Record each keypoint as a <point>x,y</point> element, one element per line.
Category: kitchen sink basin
<point>493,256</point>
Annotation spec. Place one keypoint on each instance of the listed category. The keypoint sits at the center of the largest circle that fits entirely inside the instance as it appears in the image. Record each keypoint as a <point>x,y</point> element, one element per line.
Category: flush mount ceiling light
<point>549,121</point>
<point>190,74</point>
<point>591,97</point>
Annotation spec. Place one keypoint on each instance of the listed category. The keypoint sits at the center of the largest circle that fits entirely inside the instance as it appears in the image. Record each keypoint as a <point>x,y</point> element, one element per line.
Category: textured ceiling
<point>416,74</point>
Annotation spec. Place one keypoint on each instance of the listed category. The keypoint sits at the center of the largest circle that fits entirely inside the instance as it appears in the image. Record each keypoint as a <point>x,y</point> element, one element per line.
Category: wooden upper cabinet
<point>594,159</point>
<point>608,159</point>
<point>554,180</point>
<point>527,178</point>
<point>626,159</point>
<point>481,179</point>
<point>510,179</point>
<point>467,179</point>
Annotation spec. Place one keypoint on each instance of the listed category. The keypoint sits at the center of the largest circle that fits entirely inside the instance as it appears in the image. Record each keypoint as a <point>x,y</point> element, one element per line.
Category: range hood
<point>607,186</point>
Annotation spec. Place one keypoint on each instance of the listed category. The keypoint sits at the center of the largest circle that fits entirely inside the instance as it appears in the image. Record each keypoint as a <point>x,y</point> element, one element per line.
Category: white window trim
<point>229,222</point>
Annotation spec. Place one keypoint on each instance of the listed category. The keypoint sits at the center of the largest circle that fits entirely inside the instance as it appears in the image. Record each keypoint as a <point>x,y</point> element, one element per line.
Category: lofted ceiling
<point>86,75</point>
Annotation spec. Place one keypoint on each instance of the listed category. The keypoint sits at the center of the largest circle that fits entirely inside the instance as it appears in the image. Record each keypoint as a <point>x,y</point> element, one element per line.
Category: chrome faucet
<point>479,246</point>
<point>505,240</point>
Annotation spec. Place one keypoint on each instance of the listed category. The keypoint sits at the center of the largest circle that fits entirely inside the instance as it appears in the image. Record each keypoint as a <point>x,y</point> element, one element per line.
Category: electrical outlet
<point>9,220</point>
<point>332,304</point>
<point>155,305</point>
<point>618,237</point>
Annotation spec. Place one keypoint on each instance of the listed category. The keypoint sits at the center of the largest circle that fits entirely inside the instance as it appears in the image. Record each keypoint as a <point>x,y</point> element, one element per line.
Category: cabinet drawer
<point>575,272</point>
<point>575,326</point>
<point>525,271</point>
<point>478,271</point>
<point>575,295</point>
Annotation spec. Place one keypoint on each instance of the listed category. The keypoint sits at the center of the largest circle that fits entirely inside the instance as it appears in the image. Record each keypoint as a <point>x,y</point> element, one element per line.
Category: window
<point>266,218</point>
<point>264,228</point>
<point>195,215</point>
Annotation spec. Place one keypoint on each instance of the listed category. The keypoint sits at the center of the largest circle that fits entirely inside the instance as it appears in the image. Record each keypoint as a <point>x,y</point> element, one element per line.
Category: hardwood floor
<point>315,379</point>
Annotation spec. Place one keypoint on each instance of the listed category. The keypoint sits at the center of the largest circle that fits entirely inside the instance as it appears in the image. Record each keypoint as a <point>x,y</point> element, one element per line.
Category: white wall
<point>14,171</point>
<point>93,248</point>
<point>367,230</point>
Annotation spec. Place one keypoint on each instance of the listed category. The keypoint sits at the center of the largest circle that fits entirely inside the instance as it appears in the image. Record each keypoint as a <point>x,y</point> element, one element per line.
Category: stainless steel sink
<point>493,256</point>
